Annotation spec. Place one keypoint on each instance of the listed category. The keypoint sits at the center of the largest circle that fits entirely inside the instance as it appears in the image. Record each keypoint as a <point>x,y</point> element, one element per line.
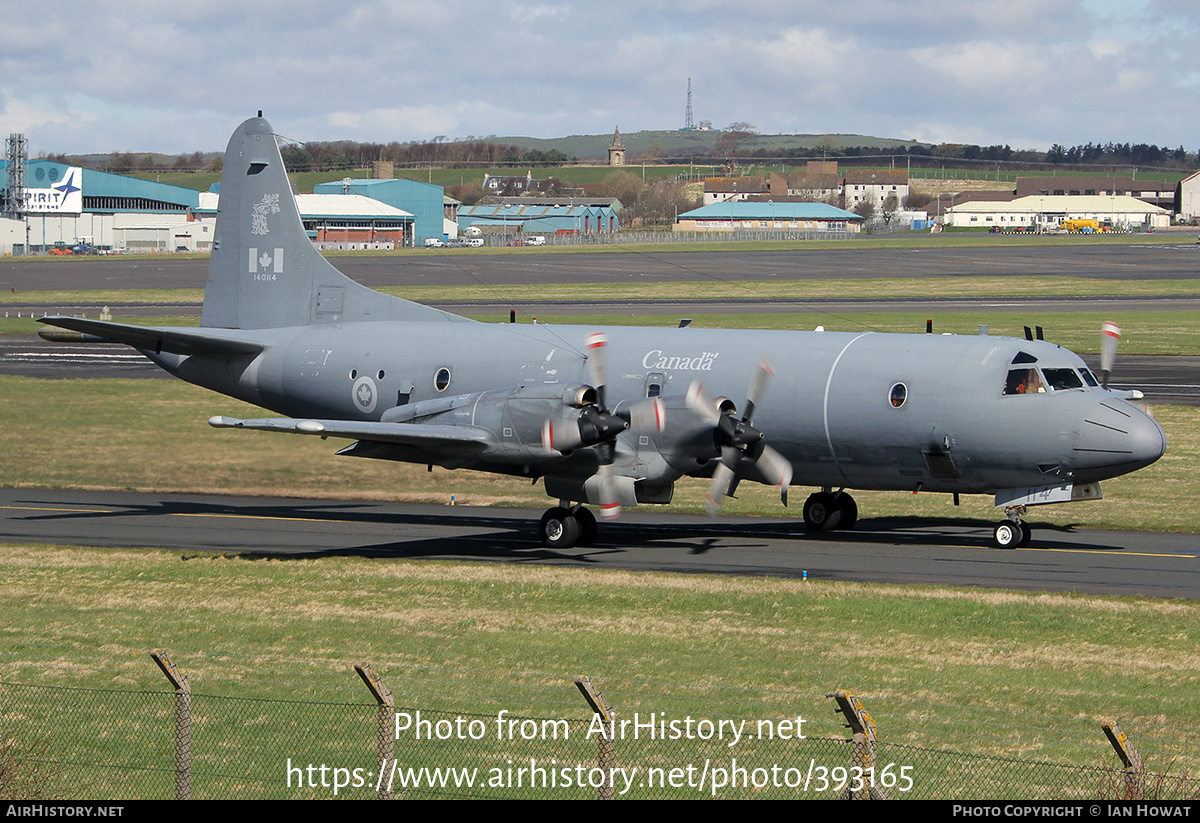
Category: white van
<point>535,240</point>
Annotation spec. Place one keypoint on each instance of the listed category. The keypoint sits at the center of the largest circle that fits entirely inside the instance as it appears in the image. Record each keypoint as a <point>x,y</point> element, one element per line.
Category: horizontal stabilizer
<point>431,437</point>
<point>151,338</point>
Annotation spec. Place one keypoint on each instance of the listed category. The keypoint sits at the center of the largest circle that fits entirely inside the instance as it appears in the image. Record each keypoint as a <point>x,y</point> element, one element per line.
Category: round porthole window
<point>441,380</point>
<point>898,395</point>
<point>353,373</point>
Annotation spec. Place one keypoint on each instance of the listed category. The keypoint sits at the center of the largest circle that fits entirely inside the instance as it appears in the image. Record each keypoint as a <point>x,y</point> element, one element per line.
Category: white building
<point>875,186</point>
<point>1189,197</point>
<point>1048,212</point>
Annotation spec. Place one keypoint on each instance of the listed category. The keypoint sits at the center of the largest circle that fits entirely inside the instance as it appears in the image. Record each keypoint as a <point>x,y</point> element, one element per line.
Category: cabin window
<point>898,395</point>
<point>1061,379</point>
<point>1024,381</point>
<point>441,380</point>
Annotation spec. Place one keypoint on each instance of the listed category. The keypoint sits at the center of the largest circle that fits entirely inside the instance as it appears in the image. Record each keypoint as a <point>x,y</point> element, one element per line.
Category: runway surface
<point>839,260</point>
<point>884,551</point>
<point>1165,380</point>
<point>499,307</point>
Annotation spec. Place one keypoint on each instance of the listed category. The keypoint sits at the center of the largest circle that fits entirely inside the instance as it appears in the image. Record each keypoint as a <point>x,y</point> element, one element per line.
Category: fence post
<point>1131,758</point>
<point>607,745</point>
<point>183,724</point>
<point>862,746</point>
<point>387,723</point>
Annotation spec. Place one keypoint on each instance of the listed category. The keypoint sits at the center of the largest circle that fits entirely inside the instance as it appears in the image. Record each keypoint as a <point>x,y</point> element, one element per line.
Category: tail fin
<point>265,273</point>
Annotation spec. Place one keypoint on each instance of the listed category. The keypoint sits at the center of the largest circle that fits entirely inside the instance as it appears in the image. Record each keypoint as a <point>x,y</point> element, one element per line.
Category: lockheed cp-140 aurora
<point>613,417</point>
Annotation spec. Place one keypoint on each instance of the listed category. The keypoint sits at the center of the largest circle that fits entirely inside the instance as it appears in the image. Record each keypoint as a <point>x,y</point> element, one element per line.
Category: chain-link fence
<point>60,742</point>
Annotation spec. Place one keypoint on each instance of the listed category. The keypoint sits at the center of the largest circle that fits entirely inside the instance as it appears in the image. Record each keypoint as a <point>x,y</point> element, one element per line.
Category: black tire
<point>849,511</point>
<point>1026,535</point>
<point>822,512</point>
<point>559,529</point>
<point>1007,535</point>
<point>587,527</point>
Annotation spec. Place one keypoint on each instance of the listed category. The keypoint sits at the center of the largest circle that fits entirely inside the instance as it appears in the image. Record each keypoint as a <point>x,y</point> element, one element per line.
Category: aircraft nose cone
<point>1116,437</point>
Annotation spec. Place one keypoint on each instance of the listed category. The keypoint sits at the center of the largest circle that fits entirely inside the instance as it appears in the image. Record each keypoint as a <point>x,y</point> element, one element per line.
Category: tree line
<point>733,144</point>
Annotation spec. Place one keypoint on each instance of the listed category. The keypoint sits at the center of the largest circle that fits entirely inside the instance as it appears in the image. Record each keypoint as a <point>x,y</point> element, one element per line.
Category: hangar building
<point>424,201</point>
<point>767,215</point>
<point>67,205</point>
<point>532,215</point>
<point>1048,212</point>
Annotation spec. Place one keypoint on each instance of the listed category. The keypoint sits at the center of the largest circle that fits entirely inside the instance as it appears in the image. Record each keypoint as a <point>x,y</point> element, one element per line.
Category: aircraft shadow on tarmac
<point>512,535</point>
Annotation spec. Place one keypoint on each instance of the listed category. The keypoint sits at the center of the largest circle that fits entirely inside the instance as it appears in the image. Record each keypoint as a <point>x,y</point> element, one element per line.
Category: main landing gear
<point>1013,533</point>
<point>565,526</point>
<point>828,510</point>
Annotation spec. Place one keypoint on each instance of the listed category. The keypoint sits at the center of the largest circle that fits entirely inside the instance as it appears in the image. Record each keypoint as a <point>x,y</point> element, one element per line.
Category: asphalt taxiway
<point>877,550</point>
<point>841,260</point>
<point>956,553</point>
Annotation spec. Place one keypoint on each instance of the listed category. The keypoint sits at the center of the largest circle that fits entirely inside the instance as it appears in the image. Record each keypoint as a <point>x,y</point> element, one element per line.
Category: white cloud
<point>85,76</point>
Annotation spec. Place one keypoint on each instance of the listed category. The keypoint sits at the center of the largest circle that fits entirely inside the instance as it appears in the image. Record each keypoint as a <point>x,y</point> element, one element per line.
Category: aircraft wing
<point>424,436</point>
<point>174,340</point>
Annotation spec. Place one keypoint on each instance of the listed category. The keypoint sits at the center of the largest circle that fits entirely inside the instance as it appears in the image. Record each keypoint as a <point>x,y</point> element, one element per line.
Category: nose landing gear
<point>1013,533</point>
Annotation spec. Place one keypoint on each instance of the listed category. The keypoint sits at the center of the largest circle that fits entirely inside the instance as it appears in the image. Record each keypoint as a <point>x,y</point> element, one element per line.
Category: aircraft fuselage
<point>856,410</point>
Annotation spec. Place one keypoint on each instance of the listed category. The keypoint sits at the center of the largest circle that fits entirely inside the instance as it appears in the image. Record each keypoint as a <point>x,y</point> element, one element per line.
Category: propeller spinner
<point>741,444</point>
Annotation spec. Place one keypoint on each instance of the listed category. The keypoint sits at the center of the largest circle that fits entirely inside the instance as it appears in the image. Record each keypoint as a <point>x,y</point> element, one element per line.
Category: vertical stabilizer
<point>265,273</point>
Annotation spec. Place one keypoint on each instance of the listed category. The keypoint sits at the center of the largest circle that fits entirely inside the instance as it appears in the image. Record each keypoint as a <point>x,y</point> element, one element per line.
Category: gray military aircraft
<point>615,417</point>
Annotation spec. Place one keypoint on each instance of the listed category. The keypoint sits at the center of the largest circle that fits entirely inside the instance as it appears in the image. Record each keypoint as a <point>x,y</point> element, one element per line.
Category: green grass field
<point>985,672</point>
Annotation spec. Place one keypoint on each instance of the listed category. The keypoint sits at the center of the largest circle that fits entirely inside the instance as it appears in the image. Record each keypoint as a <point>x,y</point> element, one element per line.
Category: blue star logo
<point>66,187</point>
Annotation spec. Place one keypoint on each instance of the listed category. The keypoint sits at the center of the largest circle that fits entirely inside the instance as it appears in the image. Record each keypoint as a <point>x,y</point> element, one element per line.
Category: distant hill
<point>682,143</point>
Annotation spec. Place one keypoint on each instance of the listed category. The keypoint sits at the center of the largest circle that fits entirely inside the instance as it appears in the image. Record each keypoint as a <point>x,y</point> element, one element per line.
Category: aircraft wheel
<point>559,529</point>
<point>587,526</point>
<point>1007,534</point>
<point>822,512</point>
<point>1026,534</point>
<point>849,510</point>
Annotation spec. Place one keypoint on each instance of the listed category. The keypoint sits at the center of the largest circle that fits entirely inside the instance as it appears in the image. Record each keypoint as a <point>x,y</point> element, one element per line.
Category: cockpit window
<point>1023,381</point>
<point>1060,379</point>
<point>1024,357</point>
<point>1089,378</point>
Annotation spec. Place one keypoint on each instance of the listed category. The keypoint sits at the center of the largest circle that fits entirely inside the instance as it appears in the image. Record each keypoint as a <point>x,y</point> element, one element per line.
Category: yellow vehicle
<point>1081,225</point>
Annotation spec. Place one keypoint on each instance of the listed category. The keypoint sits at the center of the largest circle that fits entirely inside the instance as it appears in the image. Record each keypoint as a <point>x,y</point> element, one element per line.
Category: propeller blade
<point>702,404</point>
<point>648,416</point>
<point>1110,337</point>
<point>610,502</point>
<point>561,435</point>
<point>718,490</point>
<point>597,361</point>
<point>776,468</point>
<point>763,371</point>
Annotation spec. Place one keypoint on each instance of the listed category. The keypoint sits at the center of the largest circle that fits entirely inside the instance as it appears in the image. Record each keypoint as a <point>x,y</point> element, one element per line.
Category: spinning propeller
<point>742,447</point>
<point>1110,338</point>
<point>598,427</point>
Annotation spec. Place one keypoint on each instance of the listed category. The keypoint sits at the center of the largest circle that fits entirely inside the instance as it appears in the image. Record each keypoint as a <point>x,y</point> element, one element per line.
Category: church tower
<point>616,152</point>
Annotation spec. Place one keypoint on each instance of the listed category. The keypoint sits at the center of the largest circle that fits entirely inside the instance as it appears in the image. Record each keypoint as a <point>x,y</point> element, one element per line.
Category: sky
<point>97,76</point>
